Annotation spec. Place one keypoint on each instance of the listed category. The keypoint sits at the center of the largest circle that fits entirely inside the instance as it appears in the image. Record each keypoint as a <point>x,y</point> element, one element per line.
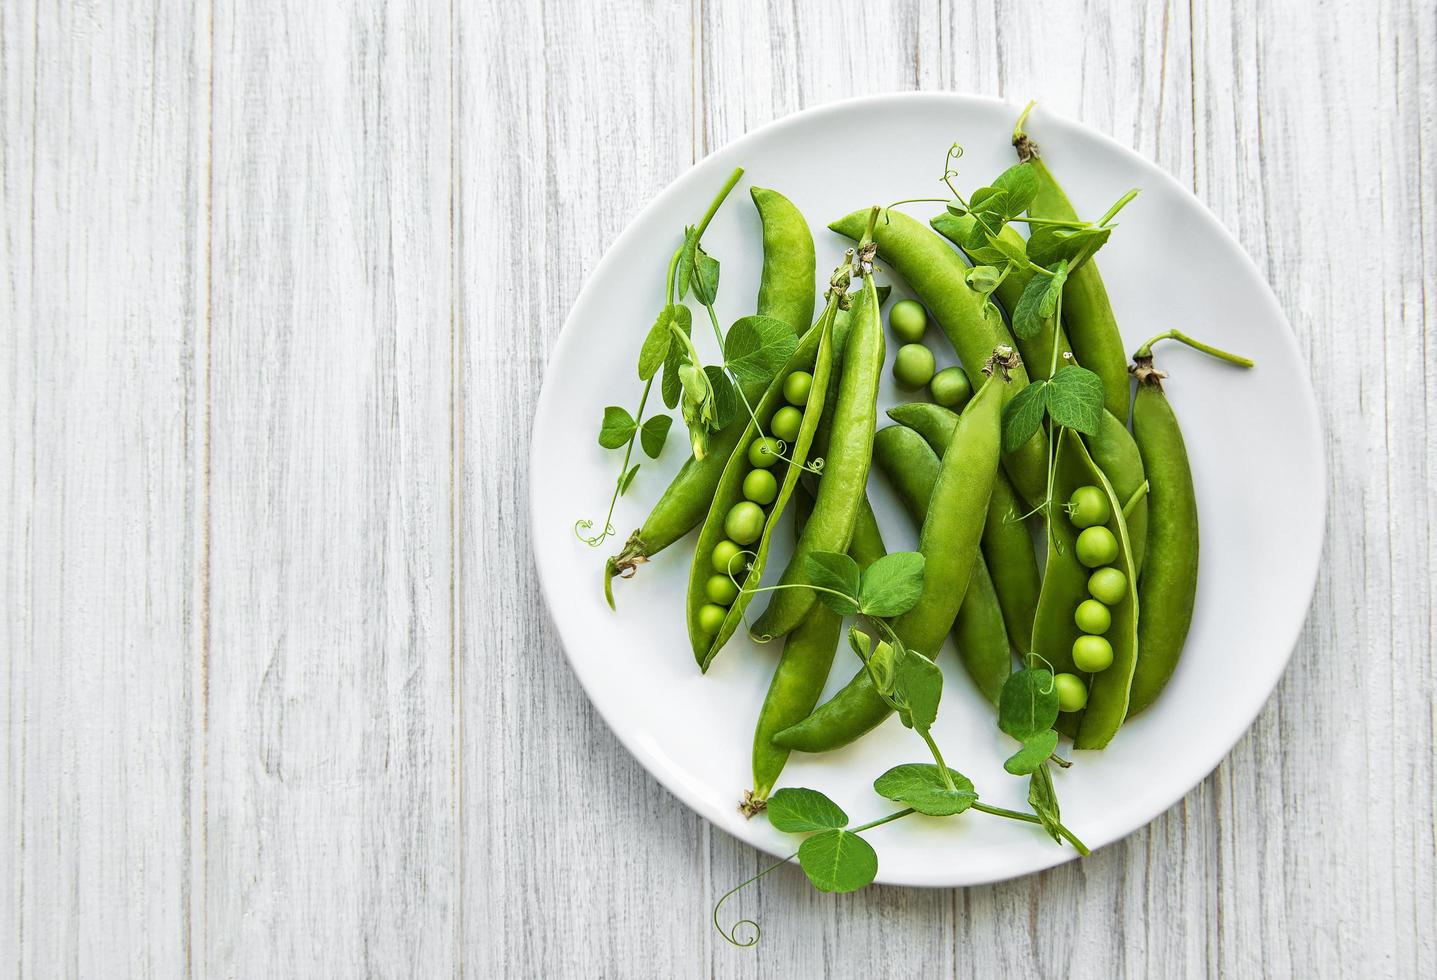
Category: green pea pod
<point>1168,587</point>
<point>1037,350</point>
<point>846,458</point>
<point>911,465</point>
<point>1065,584</point>
<point>1008,548</point>
<point>786,291</point>
<point>807,657</point>
<point>1113,449</point>
<point>936,274</point>
<point>1087,312</point>
<point>814,354</point>
<point>949,545</point>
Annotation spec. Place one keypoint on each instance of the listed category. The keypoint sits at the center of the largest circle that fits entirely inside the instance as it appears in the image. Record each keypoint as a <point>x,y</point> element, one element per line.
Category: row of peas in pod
<point>1096,548</point>
<point>914,365</point>
<point>745,520</point>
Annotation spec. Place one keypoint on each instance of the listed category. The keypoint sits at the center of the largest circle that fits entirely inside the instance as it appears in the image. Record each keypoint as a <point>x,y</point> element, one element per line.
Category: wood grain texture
<point>278,284</point>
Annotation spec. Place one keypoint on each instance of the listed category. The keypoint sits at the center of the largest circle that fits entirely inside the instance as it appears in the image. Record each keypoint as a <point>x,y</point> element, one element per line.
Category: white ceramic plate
<point>1253,438</point>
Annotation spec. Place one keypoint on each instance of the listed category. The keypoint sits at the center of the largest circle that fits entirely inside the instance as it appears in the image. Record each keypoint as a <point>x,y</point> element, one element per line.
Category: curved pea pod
<point>1012,561</point>
<point>1113,449</point>
<point>807,657</point>
<point>1087,311</point>
<point>846,457</point>
<point>787,286</point>
<point>1037,350</point>
<point>1065,584</point>
<point>949,545</point>
<point>938,276</point>
<point>1168,587</point>
<point>814,354</point>
<point>911,465</point>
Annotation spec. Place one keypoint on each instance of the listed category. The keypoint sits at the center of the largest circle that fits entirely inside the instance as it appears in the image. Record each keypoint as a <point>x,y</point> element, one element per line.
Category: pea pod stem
<point>1145,352</point>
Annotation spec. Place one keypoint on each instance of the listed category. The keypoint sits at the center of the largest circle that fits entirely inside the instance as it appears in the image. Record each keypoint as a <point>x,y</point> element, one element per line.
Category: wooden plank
<point>101,353</point>
<point>332,786</point>
<point>571,117</point>
<point>1325,811</point>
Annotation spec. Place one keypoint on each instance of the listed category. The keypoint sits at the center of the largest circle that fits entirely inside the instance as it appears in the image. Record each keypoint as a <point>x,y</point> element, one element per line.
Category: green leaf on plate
<point>616,429</point>
<point>921,786</point>
<point>838,861</point>
<point>795,810</point>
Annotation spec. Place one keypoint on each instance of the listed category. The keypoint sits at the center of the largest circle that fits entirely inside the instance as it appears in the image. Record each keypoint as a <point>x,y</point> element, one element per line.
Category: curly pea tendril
<point>732,933</point>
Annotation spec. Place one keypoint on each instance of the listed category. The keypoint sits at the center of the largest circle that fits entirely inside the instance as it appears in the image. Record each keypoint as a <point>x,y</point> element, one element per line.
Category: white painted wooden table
<point>278,282</point>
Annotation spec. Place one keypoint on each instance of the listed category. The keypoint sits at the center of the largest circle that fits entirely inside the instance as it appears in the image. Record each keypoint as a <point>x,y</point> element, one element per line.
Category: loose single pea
<point>1097,546</point>
<point>744,522</point>
<point>1088,507</point>
<point>1092,616</point>
<point>711,617</point>
<point>786,422</point>
<point>1108,585</point>
<point>726,558</point>
<point>913,367</point>
<point>908,320</point>
<point>950,387</point>
<point>1092,653</point>
<point>721,590</point>
<point>1072,692</point>
<point>797,386</point>
<point>763,452</point>
<point>760,487</point>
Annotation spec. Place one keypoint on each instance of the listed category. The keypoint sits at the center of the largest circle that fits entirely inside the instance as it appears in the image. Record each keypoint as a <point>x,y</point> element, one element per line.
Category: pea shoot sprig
<point>835,856</point>
<point>707,395</point>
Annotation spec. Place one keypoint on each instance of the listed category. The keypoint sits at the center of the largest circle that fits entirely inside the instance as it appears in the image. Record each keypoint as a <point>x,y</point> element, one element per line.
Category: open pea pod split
<point>814,354</point>
<point>1065,584</point>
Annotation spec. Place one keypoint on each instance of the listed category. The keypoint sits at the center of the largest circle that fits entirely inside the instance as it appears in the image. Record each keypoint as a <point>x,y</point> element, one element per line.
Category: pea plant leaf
<point>1023,414</point>
<point>881,668</point>
<point>1020,185</point>
<point>837,861</point>
<point>1033,753</point>
<point>656,344</point>
<point>757,347</point>
<point>795,810</point>
<point>654,433</point>
<point>891,585</point>
<point>917,689</point>
<point>1028,703</point>
<point>616,429</point>
<point>628,477</point>
<point>1049,245</point>
<point>1075,399</point>
<point>983,278</point>
<point>686,259</point>
<point>725,399</point>
<point>832,573</point>
<point>1011,248</point>
<point>682,319</point>
<point>1044,801</point>
<point>921,786</point>
<point>1038,303</point>
<point>706,276</point>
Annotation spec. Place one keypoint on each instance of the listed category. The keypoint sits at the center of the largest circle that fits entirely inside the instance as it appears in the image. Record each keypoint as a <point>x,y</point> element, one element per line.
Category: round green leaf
<point>838,861</point>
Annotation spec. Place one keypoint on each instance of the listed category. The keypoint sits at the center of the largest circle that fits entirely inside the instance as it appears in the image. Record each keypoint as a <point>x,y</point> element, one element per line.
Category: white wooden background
<point>278,282</point>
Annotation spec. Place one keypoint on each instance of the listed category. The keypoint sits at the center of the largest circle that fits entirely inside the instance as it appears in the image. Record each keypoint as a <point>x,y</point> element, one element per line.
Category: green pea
<point>744,522</point>
<point>711,617</point>
<point>1088,507</point>
<point>908,320</point>
<point>1072,692</point>
<point>950,388</point>
<point>913,367</point>
<point>797,386</point>
<point>721,590</point>
<point>1108,585</point>
<point>1096,546</point>
<point>1092,653</point>
<point>726,558</point>
<point>1092,616</point>
<point>760,487</point>
<point>763,452</point>
<point>786,422</point>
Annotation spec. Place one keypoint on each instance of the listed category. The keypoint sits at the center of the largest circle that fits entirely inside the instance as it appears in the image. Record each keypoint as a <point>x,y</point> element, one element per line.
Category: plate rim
<point>1251,707</point>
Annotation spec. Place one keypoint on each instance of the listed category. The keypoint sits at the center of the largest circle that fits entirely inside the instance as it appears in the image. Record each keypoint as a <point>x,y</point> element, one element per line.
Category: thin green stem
<point>732,934</point>
<point>608,527</point>
<point>673,271</point>
<point>1147,349</point>
<point>917,200</point>
<point>1064,832</point>
<point>1121,203</point>
<point>1022,120</point>
<point>718,333</point>
<point>1052,222</point>
<point>717,202</point>
<point>1057,326</point>
<point>897,815</point>
<point>937,757</point>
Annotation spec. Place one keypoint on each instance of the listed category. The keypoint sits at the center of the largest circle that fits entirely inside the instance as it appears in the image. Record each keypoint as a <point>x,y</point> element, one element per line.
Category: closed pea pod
<point>787,256</point>
<point>1065,585</point>
<point>911,465</point>
<point>949,545</point>
<point>846,459</point>
<point>1087,312</point>
<point>937,274</point>
<point>1008,551</point>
